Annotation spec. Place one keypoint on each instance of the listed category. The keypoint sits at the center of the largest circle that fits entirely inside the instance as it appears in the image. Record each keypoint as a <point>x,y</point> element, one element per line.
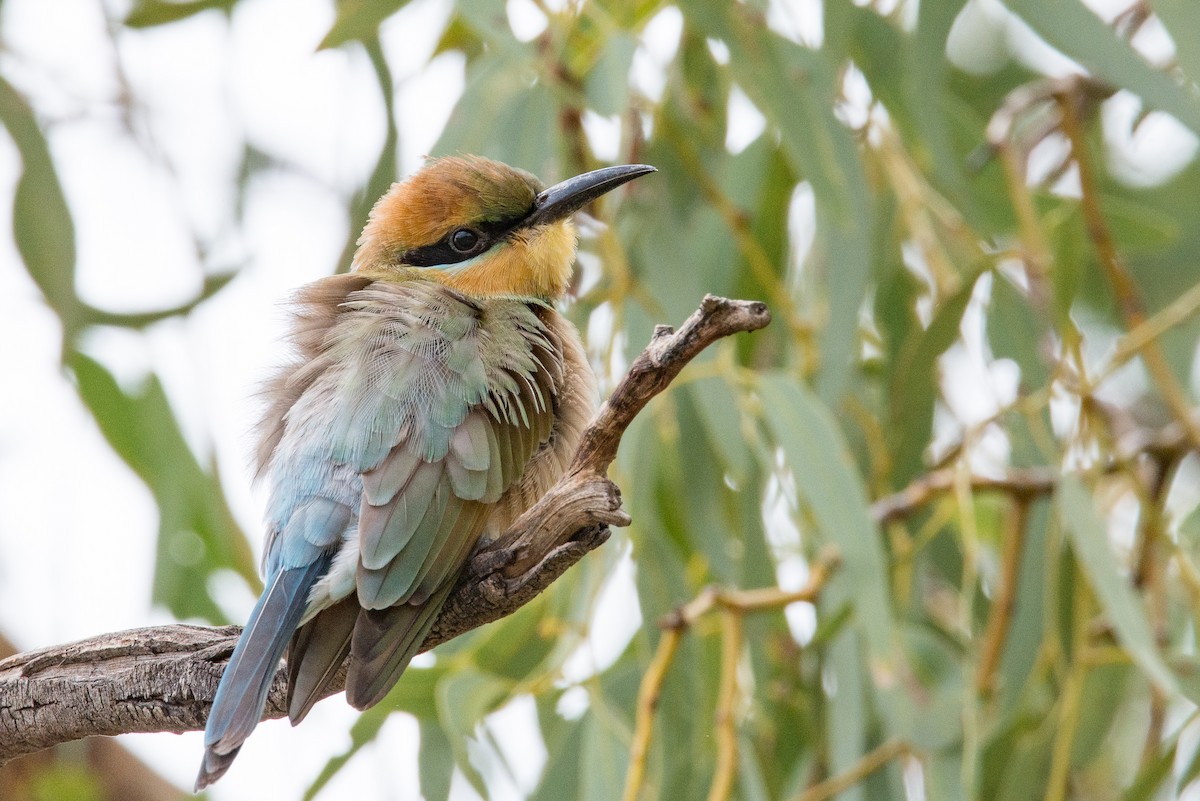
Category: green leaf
<point>830,485</point>
<point>1016,332</point>
<point>926,715</point>
<point>847,711</point>
<point>564,746</point>
<point>797,88</point>
<point>1073,28</point>
<point>515,646</point>
<point>436,759</point>
<point>1028,627</point>
<point>1029,767</point>
<point>359,20</point>
<point>197,533</point>
<point>414,693</point>
<point>1183,23</point>
<point>464,698</point>
<point>1089,540</point>
<point>1154,772</point>
<point>502,116</point>
<point>606,86</point>
<point>1104,694</point>
<point>604,757</point>
<point>384,171</point>
<point>66,780</point>
<point>718,408</point>
<point>138,320</point>
<point>42,226</point>
<point>363,732</point>
<point>914,386</point>
<point>148,13</point>
<point>1189,774</point>
<point>751,778</point>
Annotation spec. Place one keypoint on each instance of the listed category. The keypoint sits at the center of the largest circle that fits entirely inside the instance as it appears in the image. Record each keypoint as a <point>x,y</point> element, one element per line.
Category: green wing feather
<point>448,400</point>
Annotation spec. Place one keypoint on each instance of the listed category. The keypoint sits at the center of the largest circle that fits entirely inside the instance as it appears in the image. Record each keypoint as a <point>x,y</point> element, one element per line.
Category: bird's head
<point>482,227</point>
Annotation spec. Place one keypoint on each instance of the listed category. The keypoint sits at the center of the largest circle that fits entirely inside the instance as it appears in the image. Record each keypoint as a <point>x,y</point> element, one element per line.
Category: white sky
<point>77,528</point>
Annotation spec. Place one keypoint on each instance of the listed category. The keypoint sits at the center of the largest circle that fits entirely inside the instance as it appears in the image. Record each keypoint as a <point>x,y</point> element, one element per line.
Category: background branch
<point>162,678</point>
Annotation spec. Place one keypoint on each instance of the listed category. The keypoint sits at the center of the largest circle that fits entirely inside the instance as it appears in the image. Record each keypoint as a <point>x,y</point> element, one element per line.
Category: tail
<point>384,642</point>
<point>317,652</point>
<point>242,693</point>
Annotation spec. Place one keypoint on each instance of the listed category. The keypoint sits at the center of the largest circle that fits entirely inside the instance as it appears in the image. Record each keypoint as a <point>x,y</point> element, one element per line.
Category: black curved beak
<point>573,194</point>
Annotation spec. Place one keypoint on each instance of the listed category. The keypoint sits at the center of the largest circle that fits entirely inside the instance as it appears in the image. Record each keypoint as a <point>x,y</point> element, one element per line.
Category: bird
<point>434,393</point>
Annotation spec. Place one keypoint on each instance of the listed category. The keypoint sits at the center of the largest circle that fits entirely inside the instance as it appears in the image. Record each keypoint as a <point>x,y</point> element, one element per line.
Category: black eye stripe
<point>441,251</point>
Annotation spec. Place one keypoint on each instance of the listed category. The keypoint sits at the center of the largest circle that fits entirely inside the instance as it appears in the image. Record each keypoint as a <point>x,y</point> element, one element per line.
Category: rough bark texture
<point>117,774</point>
<point>162,679</point>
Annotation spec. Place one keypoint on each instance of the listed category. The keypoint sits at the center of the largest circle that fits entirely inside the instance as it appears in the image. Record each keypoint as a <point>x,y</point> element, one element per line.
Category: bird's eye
<point>464,240</point>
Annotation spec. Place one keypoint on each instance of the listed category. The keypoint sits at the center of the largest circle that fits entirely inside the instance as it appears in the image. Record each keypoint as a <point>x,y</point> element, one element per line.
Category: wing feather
<point>432,404</point>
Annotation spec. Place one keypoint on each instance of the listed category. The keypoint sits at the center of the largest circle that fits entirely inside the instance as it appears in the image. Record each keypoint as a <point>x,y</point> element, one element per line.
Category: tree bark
<point>162,678</point>
<point>118,774</point>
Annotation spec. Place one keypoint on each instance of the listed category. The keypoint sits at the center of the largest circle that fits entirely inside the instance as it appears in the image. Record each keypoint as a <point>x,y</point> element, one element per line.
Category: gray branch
<point>162,678</point>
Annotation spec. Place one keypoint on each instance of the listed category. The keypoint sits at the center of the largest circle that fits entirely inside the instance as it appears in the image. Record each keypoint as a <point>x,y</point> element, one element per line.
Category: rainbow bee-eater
<point>435,394</point>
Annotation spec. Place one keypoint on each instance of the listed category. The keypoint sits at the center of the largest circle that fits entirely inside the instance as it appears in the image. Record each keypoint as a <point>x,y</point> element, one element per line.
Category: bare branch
<point>162,679</point>
<point>1025,484</point>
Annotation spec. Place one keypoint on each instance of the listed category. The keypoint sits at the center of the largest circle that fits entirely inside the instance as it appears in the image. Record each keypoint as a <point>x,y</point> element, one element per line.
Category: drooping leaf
<point>197,532</point>
<point>359,20</point>
<point>914,389</point>
<point>1016,332</point>
<point>831,487</point>
<point>1089,541</point>
<point>42,226</point>
<point>436,759</point>
<point>1075,29</point>
<point>463,699</point>
<point>149,13</point>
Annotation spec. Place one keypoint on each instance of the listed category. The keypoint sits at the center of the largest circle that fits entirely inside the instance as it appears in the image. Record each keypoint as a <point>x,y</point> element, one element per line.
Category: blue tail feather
<point>242,693</point>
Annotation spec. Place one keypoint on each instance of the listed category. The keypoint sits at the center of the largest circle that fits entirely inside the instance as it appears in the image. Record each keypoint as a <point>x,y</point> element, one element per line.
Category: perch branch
<point>163,678</point>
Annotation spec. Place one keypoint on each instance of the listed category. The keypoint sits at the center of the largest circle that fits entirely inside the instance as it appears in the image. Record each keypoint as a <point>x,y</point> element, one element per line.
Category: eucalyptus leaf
<point>1125,608</point>
<point>1079,33</point>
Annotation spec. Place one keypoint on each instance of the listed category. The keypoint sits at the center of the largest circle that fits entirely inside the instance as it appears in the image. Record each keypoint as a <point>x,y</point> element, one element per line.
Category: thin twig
<point>1128,297</point>
<point>1019,482</point>
<point>1000,615</point>
<point>1176,312</point>
<point>647,703</point>
<point>1149,577</point>
<point>870,762</point>
<point>733,602</point>
<point>1164,445</point>
<point>756,600</point>
<point>726,721</point>
<point>1070,702</point>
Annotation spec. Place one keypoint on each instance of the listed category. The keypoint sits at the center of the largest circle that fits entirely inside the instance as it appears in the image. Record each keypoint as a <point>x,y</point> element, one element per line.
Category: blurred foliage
<point>934,237</point>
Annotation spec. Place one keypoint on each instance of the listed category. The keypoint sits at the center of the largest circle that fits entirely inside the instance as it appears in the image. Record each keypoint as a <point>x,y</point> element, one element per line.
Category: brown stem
<point>1164,446</point>
<point>1000,616</point>
<point>1149,578</point>
<point>648,694</point>
<point>860,770</point>
<point>726,720</point>
<point>1129,300</point>
<point>733,604</point>
<point>163,678</point>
